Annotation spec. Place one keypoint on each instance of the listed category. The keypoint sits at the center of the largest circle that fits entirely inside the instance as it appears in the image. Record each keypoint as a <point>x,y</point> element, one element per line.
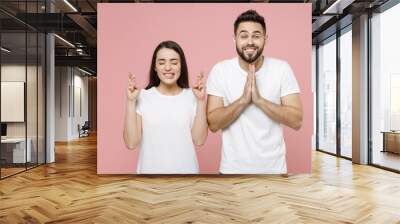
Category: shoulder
<point>189,96</point>
<point>145,93</point>
<point>188,92</point>
<point>276,62</point>
<point>225,63</point>
<point>278,66</point>
<point>220,68</point>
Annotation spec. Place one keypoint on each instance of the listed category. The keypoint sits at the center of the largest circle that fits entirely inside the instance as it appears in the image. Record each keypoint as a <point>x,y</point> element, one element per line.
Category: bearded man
<point>249,98</point>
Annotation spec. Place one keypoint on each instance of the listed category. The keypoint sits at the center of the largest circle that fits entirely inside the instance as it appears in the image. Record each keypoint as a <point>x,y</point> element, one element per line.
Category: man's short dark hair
<point>249,16</point>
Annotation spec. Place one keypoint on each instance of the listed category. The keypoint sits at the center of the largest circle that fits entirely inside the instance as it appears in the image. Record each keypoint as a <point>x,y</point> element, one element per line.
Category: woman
<point>168,118</point>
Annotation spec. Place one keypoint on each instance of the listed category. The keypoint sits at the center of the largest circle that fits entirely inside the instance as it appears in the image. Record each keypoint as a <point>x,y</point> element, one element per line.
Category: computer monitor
<point>3,129</point>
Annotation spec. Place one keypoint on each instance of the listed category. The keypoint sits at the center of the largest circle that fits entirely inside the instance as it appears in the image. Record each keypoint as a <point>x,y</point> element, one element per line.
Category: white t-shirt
<point>253,143</point>
<point>166,146</point>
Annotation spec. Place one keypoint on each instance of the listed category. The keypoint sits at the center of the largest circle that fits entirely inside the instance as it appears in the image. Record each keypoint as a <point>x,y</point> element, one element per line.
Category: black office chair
<point>84,130</point>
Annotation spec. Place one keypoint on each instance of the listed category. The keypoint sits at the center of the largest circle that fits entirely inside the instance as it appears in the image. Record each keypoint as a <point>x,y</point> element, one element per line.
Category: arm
<point>133,121</point>
<point>200,126</point>
<point>132,126</point>
<point>289,113</point>
<point>219,116</point>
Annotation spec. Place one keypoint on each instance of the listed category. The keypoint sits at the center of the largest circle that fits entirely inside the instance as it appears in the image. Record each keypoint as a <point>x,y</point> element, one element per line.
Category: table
<point>391,141</point>
<point>15,148</point>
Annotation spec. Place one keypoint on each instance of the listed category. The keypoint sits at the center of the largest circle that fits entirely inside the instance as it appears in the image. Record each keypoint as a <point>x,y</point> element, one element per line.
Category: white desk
<point>18,150</point>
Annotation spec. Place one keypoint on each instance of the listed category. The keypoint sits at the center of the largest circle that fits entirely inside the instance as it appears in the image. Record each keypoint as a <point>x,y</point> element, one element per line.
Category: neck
<point>245,65</point>
<point>169,89</point>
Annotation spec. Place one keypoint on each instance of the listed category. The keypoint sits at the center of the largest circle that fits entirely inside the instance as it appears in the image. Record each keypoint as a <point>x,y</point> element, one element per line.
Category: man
<point>249,97</point>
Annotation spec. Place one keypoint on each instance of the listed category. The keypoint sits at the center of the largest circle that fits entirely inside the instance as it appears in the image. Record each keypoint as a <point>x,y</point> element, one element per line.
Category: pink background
<point>128,35</point>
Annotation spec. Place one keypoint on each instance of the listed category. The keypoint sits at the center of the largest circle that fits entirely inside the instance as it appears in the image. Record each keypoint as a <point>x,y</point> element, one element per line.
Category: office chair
<point>84,130</point>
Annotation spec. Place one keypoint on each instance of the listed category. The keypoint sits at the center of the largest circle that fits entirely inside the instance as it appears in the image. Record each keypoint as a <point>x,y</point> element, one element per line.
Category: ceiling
<point>76,22</point>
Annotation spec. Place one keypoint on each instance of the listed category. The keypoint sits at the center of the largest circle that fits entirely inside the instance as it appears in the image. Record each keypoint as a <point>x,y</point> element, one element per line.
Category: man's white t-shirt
<point>253,143</point>
<point>166,146</point>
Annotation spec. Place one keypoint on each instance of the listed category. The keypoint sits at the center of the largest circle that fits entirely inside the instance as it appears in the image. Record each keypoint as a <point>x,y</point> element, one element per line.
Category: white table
<point>18,149</point>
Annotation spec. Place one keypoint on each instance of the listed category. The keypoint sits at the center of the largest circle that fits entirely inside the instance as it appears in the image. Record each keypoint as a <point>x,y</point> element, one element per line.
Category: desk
<point>15,148</point>
<point>391,141</point>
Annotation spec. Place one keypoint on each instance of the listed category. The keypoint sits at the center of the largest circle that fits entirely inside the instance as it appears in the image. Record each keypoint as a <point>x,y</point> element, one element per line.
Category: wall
<point>71,102</point>
<point>17,73</point>
<point>33,127</point>
<point>92,108</point>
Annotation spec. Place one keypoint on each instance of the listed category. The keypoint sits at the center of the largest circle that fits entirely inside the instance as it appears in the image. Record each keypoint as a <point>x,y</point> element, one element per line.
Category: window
<point>346,75</point>
<point>385,88</point>
<point>327,96</point>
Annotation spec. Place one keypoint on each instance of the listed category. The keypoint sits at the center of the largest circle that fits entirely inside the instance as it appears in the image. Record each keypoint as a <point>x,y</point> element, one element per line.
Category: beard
<point>249,58</point>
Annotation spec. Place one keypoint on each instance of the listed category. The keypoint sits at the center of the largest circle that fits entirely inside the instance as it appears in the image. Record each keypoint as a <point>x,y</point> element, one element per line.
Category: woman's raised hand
<point>132,91</point>
<point>199,89</point>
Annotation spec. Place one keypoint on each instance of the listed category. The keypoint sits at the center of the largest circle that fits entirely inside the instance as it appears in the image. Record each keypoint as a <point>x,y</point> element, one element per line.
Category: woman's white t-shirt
<point>167,146</point>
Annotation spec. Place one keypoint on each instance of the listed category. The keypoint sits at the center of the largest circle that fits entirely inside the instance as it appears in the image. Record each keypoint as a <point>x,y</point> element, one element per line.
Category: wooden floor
<point>5,172</point>
<point>70,191</point>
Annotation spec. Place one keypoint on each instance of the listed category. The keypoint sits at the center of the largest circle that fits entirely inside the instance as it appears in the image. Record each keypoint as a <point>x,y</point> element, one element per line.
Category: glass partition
<point>327,96</point>
<point>22,88</point>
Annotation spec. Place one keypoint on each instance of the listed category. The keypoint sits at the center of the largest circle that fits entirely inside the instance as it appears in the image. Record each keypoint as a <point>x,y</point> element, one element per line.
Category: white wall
<point>33,127</point>
<point>70,83</point>
<point>12,73</point>
<point>61,103</point>
<point>16,73</point>
<point>79,112</point>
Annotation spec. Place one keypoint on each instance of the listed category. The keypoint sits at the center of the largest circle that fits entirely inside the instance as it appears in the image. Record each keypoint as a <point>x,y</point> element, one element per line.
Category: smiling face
<point>168,66</point>
<point>250,41</point>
